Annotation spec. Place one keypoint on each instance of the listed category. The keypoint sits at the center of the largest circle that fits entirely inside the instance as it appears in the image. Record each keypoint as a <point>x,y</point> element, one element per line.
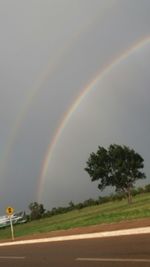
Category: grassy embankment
<point>115,211</point>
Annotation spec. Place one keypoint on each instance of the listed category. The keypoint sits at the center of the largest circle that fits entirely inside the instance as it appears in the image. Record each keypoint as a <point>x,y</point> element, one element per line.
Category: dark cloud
<point>49,53</point>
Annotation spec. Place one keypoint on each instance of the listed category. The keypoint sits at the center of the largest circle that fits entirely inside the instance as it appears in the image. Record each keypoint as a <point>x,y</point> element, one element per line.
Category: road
<point>123,251</point>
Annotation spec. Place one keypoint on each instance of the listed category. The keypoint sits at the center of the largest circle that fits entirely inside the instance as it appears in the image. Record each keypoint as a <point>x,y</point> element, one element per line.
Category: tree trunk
<point>129,196</point>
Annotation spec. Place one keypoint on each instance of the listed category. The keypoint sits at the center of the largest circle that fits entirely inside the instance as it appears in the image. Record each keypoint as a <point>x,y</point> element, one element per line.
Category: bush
<point>147,188</point>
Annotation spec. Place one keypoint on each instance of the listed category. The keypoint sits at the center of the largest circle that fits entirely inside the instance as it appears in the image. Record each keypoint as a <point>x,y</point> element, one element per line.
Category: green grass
<point>110,212</point>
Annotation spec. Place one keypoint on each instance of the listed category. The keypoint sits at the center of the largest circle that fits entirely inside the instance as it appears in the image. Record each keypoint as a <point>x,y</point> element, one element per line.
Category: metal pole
<point>12,229</point>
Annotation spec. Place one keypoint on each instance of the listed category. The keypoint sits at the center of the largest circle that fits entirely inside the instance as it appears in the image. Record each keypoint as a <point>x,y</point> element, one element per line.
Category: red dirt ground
<point>91,229</point>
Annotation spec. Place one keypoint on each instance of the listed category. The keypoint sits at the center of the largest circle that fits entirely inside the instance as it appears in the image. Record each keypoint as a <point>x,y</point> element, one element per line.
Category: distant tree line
<point>37,211</point>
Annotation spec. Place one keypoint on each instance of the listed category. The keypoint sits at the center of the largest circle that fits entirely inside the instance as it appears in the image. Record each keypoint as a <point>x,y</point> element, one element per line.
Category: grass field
<point>105,213</point>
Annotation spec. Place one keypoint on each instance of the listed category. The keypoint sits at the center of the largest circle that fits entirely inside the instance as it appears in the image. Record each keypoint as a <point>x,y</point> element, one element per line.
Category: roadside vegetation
<point>38,211</point>
<point>113,210</point>
<point>119,167</point>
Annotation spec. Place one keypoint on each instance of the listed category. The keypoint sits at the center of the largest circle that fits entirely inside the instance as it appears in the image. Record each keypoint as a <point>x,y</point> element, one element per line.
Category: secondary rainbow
<point>49,69</point>
<point>118,59</point>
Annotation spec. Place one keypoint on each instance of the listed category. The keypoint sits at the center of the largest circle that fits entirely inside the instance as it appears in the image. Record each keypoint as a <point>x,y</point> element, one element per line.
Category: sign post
<point>10,212</point>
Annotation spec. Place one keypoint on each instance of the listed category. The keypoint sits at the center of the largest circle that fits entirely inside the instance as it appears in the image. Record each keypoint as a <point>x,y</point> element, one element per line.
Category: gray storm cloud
<point>50,51</point>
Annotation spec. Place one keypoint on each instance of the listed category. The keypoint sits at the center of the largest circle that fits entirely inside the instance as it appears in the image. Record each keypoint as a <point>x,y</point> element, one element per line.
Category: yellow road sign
<point>10,210</point>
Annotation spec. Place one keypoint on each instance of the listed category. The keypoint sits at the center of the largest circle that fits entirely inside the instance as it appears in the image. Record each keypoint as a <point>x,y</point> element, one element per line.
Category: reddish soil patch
<point>91,229</point>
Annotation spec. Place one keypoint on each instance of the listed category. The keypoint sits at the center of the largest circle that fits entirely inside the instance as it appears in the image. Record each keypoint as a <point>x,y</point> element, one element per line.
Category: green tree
<point>117,166</point>
<point>37,210</point>
<point>71,205</point>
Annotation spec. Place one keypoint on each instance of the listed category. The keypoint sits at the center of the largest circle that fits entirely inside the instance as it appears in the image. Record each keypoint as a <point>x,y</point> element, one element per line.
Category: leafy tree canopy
<point>37,210</point>
<point>117,166</point>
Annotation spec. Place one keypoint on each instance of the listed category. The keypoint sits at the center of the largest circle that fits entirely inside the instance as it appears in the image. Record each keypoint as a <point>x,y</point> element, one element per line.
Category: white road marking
<point>136,231</point>
<point>12,257</point>
<point>113,260</point>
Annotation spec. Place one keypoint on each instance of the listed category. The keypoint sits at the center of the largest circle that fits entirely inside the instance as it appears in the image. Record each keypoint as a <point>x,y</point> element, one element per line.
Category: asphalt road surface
<point>123,251</point>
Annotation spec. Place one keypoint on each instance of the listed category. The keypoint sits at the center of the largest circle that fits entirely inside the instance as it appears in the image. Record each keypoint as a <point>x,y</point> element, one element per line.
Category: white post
<point>12,229</point>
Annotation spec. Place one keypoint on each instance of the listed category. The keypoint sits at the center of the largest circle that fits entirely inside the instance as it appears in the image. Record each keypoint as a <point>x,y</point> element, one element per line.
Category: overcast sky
<point>50,50</point>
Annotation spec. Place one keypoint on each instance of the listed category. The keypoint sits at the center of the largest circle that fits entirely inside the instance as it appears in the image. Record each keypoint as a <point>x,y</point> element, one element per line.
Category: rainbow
<point>49,69</point>
<point>67,116</point>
